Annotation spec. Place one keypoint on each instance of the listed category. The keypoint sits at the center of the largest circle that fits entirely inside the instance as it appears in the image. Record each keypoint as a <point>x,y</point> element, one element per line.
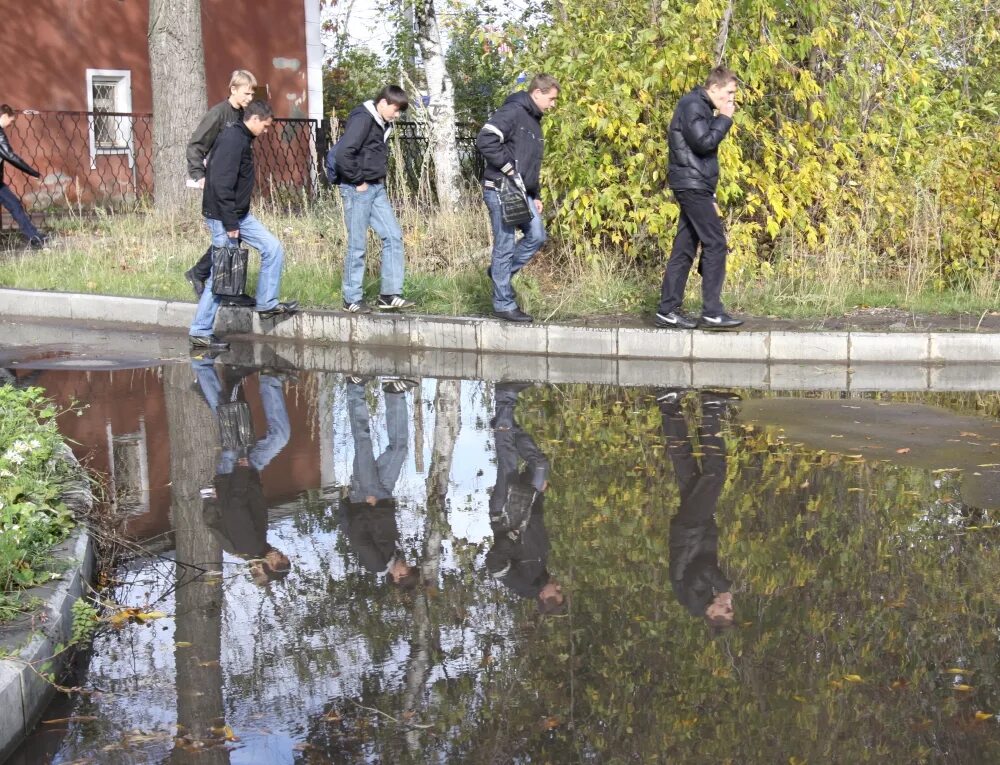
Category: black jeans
<point>9,200</point>
<point>699,222</point>
<point>203,267</point>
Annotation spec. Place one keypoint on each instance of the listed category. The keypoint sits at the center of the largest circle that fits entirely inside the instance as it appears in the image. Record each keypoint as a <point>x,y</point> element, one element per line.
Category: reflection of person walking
<point>7,197</point>
<point>511,143</point>
<point>695,134</point>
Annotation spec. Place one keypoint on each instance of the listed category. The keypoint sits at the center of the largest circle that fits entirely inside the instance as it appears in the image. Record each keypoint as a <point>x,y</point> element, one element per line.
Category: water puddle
<point>335,569</point>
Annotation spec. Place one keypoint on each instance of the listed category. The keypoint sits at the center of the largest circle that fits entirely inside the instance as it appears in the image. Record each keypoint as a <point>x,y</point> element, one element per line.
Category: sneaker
<point>515,314</point>
<point>355,379</point>
<point>721,321</point>
<point>198,285</point>
<point>359,307</point>
<point>674,320</point>
<point>208,343</point>
<point>281,309</point>
<point>239,301</point>
<point>393,303</point>
<point>37,242</point>
<point>398,386</point>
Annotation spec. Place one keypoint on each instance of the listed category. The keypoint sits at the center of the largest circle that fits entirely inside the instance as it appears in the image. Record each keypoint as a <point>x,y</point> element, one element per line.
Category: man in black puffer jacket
<point>511,143</point>
<point>7,197</point>
<point>695,134</point>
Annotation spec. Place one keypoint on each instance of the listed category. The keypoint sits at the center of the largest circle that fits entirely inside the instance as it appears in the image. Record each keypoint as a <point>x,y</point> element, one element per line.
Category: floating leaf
<point>904,450</point>
<point>182,644</point>
<point>853,678</point>
<point>962,687</point>
<point>958,671</point>
<point>983,715</point>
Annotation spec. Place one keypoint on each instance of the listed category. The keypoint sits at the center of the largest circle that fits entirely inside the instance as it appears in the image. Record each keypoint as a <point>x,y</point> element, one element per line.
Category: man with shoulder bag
<point>229,183</point>
<point>511,142</point>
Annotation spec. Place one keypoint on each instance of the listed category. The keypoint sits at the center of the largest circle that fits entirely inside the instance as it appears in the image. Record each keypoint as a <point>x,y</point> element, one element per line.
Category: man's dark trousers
<point>699,222</point>
<point>204,265</point>
<point>9,200</point>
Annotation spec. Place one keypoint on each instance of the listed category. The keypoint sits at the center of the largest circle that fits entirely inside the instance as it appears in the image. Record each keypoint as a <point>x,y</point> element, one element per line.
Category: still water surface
<point>347,570</point>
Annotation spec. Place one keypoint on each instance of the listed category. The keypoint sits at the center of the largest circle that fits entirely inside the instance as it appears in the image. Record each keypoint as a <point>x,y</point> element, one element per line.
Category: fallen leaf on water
<point>904,450</point>
<point>213,663</point>
<point>853,678</point>
<point>983,715</point>
<point>550,722</point>
<point>898,684</point>
<point>962,687</point>
<point>958,671</point>
<point>182,644</point>
<point>77,718</point>
<point>332,716</point>
<point>970,433</point>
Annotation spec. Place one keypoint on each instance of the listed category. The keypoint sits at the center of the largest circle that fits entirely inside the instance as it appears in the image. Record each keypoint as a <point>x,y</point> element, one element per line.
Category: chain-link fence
<point>91,160</point>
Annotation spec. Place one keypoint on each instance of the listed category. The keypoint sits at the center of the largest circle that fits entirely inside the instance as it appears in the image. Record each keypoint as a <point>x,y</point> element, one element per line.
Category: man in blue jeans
<point>7,197</point>
<point>511,143</point>
<point>229,182</point>
<point>362,160</point>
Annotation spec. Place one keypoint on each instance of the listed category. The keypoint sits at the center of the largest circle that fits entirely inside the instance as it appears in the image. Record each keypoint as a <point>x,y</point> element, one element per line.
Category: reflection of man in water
<point>698,582</point>
<point>234,506</point>
<point>368,512</point>
<point>520,550</point>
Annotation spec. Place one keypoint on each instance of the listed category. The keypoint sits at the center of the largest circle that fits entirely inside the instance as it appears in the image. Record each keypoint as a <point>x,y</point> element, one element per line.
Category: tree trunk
<point>198,618</point>
<point>177,70</point>
<point>441,109</point>
<point>723,38</point>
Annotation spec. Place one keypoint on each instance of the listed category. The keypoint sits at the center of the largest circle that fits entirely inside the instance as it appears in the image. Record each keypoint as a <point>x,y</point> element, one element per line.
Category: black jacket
<point>7,155</point>
<point>363,151</point>
<point>372,533</point>
<point>511,141</point>
<point>229,177</point>
<point>521,564</point>
<point>217,118</point>
<point>239,515</point>
<point>694,138</point>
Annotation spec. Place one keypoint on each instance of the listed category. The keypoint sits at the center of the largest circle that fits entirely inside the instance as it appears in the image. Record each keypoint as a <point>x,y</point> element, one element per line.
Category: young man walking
<point>700,122</point>
<point>229,182</point>
<point>220,116</point>
<point>7,197</point>
<point>362,162</point>
<point>511,143</point>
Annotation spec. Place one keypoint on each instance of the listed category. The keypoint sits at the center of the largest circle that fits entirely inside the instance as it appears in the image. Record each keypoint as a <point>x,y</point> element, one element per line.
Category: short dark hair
<point>543,82</point>
<point>394,96</point>
<point>7,110</point>
<point>720,76</point>
<point>259,109</point>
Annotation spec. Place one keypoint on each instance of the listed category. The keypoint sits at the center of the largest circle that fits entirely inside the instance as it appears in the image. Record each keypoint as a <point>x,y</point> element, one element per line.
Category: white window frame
<point>122,78</point>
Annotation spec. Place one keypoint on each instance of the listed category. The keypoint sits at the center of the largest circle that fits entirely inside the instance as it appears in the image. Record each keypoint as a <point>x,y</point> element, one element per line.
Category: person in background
<point>7,197</point>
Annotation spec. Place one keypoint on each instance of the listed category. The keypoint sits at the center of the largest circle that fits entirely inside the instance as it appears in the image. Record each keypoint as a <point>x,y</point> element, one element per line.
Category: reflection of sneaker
<point>200,354</point>
<point>398,386</point>
<point>723,402</point>
<point>670,396</point>
<point>208,343</point>
<point>355,379</point>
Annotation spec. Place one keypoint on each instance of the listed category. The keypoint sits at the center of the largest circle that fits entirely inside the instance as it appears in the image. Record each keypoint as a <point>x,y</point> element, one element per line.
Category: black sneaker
<point>281,309</point>
<point>674,320</point>
<point>398,386</point>
<point>721,321</point>
<point>198,285</point>
<point>670,396</point>
<point>208,343</point>
<point>515,314</point>
<point>355,379</point>
<point>393,303</point>
<point>359,307</point>
<point>239,301</point>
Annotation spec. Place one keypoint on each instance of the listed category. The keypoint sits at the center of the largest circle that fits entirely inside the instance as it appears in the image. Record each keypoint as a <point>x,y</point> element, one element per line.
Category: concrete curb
<point>23,694</point>
<point>419,333</point>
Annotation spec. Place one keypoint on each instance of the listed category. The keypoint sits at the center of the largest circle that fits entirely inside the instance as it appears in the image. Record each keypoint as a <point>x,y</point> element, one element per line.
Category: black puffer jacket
<point>216,119</point>
<point>511,140</point>
<point>694,138</point>
<point>229,177</point>
<point>7,155</point>
<point>363,151</point>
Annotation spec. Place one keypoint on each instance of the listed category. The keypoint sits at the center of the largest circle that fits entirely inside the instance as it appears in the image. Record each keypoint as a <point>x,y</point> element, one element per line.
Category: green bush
<point>32,478</point>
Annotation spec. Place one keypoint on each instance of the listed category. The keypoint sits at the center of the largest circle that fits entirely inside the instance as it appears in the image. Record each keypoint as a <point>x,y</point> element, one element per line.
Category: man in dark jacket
<point>511,142</point>
<point>520,551</point>
<point>7,197</point>
<point>220,116</point>
<point>697,580</point>
<point>362,157</point>
<point>695,134</point>
<point>229,182</point>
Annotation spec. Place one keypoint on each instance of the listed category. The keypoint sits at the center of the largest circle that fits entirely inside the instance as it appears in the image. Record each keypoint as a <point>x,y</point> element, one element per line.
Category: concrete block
<point>324,358</point>
<point>978,377</point>
<point>911,347</point>
<point>730,346</point>
<point>120,309</point>
<point>872,376</point>
<point>12,723</point>
<point>381,330</point>
<point>324,327</point>
<point>236,321</point>
<point>502,367</point>
<point>965,347</point>
<point>582,369</point>
<point>504,337</point>
<point>809,346</point>
<point>583,341</point>
<point>176,314</point>
<point>445,334</point>
<point>36,692</point>
<point>707,374</point>
<point>790,376</point>
<point>285,327</point>
<point>655,373</point>
<point>35,303</point>
<point>636,343</point>
<point>380,360</point>
<point>434,362</point>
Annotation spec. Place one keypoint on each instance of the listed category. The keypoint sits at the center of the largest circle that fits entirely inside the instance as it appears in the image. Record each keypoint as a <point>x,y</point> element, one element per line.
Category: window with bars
<point>107,129</point>
<point>109,95</point>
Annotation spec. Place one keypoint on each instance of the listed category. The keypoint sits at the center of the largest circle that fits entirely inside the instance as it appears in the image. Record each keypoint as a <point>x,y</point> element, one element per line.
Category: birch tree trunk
<point>177,71</point>
<point>441,109</point>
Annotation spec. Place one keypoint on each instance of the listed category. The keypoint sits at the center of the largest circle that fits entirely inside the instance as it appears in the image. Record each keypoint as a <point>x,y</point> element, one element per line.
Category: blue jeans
<point>9,200</point>
<point>377,477</point>
<point>363,209</point>
<point>272,256</point>
<point>508,259</point>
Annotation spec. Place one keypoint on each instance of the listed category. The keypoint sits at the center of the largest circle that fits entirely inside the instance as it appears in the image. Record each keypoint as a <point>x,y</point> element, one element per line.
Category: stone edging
<point>23,694</point>
<point>418,332</point>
